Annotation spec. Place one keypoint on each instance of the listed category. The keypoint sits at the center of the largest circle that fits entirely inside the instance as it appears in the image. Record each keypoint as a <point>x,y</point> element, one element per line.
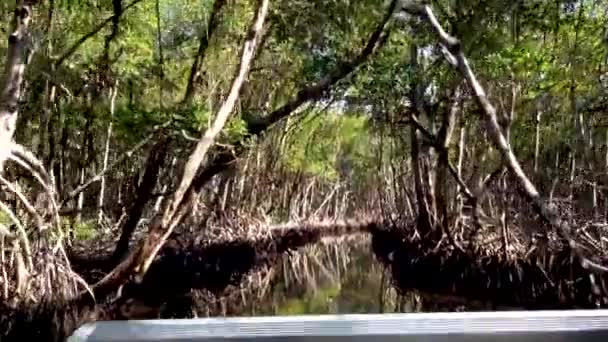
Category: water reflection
<point>335,277</point>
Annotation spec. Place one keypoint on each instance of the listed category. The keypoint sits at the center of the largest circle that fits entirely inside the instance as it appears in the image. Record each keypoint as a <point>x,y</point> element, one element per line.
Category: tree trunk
<point>12,78</point>
<point>84,155</point>
<point>537,139</point>
<point>143,194</point>
<point>203,44</point>
<point>106,154</point>
<point>165,187</point>
<point>425,224</point>
<point>444,138</point>
<point>461,151</point>
<point>50,90</point>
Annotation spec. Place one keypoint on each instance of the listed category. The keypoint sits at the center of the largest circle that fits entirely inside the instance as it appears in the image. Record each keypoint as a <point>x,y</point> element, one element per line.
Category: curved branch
<point>161,228</point>
<point>376,40</point>
<point>227,157</point>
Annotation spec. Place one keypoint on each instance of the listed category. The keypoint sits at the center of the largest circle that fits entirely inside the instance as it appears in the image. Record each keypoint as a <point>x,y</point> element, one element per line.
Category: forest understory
<point>200,158</point>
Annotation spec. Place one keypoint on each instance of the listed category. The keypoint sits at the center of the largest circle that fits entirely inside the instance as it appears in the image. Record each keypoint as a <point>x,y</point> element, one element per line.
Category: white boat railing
<point>511,326</point>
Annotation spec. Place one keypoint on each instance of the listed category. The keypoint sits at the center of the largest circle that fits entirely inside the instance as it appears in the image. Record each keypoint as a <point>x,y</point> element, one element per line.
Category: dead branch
<point>341,226</point>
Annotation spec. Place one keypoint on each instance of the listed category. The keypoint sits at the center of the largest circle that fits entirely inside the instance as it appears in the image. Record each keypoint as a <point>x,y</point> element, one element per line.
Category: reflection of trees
<point>364,287</point>
<point>339,277</point>
<point>313,280</point>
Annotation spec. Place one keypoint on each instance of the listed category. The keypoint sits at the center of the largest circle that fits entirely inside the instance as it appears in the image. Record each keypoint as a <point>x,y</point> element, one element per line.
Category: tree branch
<point>143,194</point>
<point>117,161</point>
<point>376,40</point>
<point>444,153</point>
<point>12,78</point>
<point>256,127</point>
<point>226,157</point>
<point>488,113</point>
<point>161,228</point>
<point>92,33</point>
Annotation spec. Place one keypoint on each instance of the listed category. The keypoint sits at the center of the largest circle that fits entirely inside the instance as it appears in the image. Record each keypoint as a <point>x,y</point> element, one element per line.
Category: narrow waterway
<point>334,277</point>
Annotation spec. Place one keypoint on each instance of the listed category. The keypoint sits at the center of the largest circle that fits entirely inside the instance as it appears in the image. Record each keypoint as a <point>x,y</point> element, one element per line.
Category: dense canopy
<point>466,128</point>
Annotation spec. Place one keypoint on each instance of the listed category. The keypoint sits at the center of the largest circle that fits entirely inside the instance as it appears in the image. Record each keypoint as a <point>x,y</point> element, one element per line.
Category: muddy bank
<point>485,279</point>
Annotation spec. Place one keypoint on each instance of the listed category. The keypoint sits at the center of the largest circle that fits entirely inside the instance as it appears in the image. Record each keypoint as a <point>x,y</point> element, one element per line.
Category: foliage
<point>4,218</point>
<point>84,230</point>
<point>330,145</point>
<point>318,302</point>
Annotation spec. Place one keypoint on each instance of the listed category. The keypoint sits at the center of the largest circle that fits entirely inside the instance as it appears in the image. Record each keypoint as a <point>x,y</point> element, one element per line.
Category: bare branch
<point>22,233</point>
<point>442,150</point>
<point>119,160</point>
<point>28,206</point>
<point>142,196</point>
